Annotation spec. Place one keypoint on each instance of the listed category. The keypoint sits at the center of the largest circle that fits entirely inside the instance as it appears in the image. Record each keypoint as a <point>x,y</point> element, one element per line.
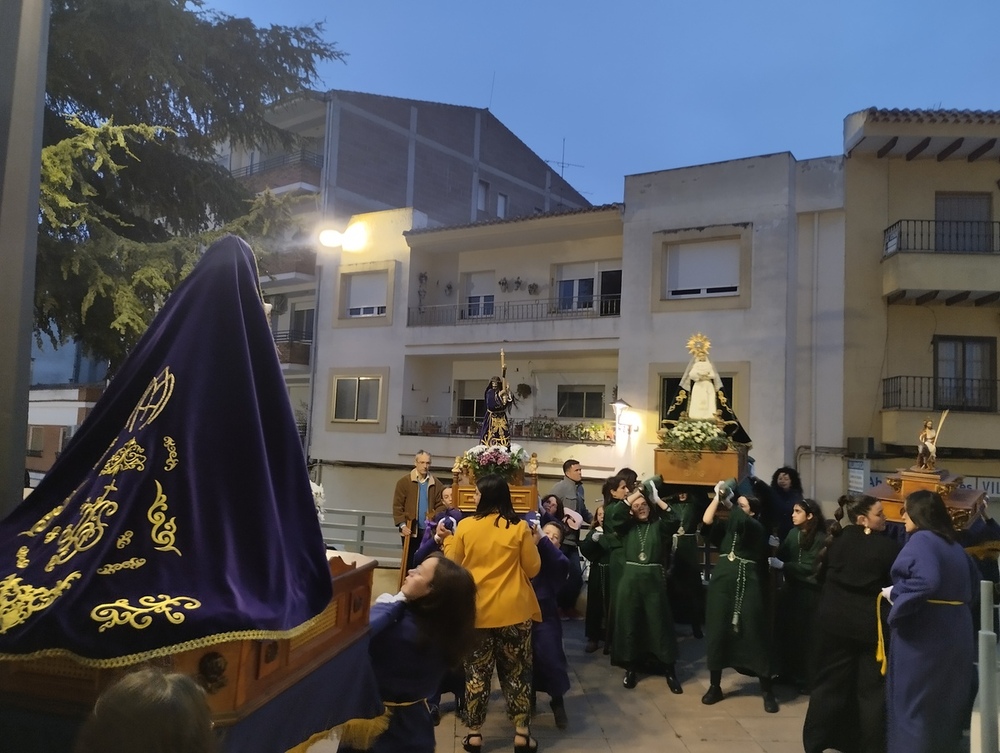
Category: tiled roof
<point>877,115</point>
<point>523,218</point>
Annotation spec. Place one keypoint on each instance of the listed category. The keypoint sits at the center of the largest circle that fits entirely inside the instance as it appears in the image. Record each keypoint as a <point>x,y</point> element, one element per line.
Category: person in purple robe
<point>930,685</point>
<point>550,668</point>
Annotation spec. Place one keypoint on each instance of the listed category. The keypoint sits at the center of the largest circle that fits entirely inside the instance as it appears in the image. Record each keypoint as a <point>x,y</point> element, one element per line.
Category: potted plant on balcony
<point>430,427</point>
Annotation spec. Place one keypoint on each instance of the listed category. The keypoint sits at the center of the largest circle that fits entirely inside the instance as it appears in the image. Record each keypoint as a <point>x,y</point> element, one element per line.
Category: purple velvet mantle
<point>180,514</point>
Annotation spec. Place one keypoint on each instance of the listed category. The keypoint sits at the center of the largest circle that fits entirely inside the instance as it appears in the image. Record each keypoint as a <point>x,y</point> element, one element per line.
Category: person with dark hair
<point>416,636</point>
<point>595,626</point>
<point>571,494</point>
<point>736,628</point>
<point>501,552</point>
<point>643,637</point>
<point>785,492</point>
<point>684,582</point>
<point>931,682</point>
<point>852,567</point>
<point>550,670</point>
<point>630,476</point>
<point>149,711</point>
<point>799,596</point>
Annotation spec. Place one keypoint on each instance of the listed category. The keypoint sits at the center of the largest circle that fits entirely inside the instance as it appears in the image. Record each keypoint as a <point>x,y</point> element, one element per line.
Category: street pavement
<point>604,716</point>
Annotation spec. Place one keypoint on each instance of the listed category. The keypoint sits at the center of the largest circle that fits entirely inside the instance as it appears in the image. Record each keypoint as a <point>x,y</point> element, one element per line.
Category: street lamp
<point>622,409</point>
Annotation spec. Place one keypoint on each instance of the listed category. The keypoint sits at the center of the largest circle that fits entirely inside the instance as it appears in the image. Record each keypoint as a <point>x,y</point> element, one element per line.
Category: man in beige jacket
<point>416,500</point>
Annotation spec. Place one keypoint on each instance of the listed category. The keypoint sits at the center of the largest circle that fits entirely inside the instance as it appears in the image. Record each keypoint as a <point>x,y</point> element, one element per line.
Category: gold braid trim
<point>988,550</point>
<point>196,643</point>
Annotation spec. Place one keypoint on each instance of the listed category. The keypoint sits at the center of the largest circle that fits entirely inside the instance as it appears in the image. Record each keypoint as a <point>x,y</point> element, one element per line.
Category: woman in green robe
<point>736,626</point>
<point>799,597</point>
<point>643,635</point>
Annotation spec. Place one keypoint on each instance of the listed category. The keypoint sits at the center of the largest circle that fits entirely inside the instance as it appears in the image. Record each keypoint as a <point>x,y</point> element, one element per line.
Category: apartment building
<point>922,287</point>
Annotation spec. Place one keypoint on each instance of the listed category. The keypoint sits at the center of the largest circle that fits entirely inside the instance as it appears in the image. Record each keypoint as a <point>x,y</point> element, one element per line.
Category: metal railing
<point>535,310</point>
<point>364,532</point>
<point>942,237</point>
<point>929,393</point>
<point>534,429</point>
<point>301,157</point>
<point>293,336</point>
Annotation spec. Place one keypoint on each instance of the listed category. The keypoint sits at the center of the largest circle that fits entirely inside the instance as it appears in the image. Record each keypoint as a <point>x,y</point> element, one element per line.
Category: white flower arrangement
<point>694,437</point>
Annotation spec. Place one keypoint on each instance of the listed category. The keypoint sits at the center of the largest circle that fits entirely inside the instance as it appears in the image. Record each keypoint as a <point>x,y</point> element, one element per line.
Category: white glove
<point>775,563</point>
<point>773,540</point>
<point>389,598</point>
<point>654,493</point>
<point>596,535</point>
<point>725,494</point>
<point>887,594</point>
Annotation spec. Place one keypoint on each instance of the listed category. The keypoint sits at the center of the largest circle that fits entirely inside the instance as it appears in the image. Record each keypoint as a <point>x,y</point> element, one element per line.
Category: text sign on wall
<point>858,475</point>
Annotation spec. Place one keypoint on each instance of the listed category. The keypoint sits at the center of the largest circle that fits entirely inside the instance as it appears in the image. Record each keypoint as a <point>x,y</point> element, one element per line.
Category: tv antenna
<point>562,163</point>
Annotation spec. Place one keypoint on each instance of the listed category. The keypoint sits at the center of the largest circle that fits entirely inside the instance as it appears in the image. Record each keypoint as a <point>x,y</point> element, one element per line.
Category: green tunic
<point>598,585</point>
<point>687,593</point>
<point>736,620</point>
<point>614,514</point>
<point>797,604</point>
<point>643,627</point>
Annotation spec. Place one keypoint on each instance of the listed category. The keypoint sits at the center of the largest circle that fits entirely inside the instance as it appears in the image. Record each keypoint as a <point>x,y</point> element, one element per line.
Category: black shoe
<point>712,695</point>
<point>630,680</point>
<point>770,704</point>
<point>436,715</point>
<point>696,632</point>
<point>674,684</point>
<point>559,712</point>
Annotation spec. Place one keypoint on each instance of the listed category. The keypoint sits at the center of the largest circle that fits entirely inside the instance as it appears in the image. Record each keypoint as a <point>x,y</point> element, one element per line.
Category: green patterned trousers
<point>509,649</point>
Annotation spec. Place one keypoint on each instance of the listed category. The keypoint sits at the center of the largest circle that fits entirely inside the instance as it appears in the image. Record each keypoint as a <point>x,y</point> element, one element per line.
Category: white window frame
<point>502,202</point>
<point>356,379</point>
<point>370,306</point>
<point>712,255</point>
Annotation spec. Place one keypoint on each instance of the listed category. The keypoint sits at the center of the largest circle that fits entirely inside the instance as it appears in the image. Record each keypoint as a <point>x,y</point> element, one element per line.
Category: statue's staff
<point>937,437</point>
<point>504,387</point>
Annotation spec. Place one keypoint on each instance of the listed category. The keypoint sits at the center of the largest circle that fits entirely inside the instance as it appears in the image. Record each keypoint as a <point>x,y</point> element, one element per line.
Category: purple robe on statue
<point>551,673</point>
<point>930,685</point>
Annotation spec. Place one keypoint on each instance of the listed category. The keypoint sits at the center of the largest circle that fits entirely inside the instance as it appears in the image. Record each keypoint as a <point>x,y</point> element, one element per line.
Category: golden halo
<point>698,345</point>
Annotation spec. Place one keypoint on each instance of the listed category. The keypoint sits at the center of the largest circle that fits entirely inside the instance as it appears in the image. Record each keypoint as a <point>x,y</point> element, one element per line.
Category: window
<point>575,286</point>
<point>36,441</point>
<point>479,302</point>
<point>962,223</point>
<point>65,434</point>
<point>668,391</point>
<point>482,196</point>
<point>702,269</point>
<point>356,398</point>
<point>580,401</point>
<point>501,205</point>
<point>302,324</point>
<point>471,408</point>
<point>366,294</point>
<point>965,373</point>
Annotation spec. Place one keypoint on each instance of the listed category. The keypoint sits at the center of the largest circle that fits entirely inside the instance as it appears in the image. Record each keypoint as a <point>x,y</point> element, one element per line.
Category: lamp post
<point>24,39</point>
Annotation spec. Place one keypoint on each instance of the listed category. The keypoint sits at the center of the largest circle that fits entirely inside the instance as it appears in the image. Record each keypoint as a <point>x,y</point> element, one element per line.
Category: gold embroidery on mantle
<point>131,457</point>
<point>42,524</point>
<point>164,530</point>
<point>18,600</point>
<point>124,540</point>
<point>87,531</point>
<point>171,462</point>
<point>52,535</point>
<point>113,567</point>
<point>22,558</point>
<point>153,401</point>
<point>120,612</point>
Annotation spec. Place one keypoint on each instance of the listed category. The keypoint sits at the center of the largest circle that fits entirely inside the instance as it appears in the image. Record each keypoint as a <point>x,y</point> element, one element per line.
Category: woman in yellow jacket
<point>501,552</point>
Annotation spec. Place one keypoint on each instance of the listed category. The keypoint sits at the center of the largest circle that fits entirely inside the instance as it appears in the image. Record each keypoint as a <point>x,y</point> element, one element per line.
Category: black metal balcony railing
<point>294,346</point>
<point>485,312</point>
<point>294,336</point>
<point>301,157</point>
<point>928,393</point>
<point>521,430</point>
<point>942,236</point>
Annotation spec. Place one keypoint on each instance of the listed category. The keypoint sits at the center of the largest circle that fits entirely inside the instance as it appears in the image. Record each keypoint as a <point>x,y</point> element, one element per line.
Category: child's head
<point>552,505</point>
<point>447,496</point>
<point>554,532</point>
<point>599,516</point>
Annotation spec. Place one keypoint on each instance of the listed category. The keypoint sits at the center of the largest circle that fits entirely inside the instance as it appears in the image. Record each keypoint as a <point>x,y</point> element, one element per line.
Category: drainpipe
<point>812,357</point>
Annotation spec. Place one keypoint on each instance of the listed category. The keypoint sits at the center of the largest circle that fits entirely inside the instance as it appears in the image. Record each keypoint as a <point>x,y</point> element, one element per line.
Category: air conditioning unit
<point>861,446</point>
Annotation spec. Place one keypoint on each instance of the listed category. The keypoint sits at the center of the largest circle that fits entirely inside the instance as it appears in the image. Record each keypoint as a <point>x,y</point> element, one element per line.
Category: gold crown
<point>698,345</point>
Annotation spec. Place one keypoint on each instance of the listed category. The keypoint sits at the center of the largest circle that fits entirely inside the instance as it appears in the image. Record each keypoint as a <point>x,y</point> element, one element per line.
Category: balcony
<point>294,346</point>
<point>941,262</point>
<point>935,394</point>
<point>298,171</point>
<point>535,429</point>
<point>534,310</point>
